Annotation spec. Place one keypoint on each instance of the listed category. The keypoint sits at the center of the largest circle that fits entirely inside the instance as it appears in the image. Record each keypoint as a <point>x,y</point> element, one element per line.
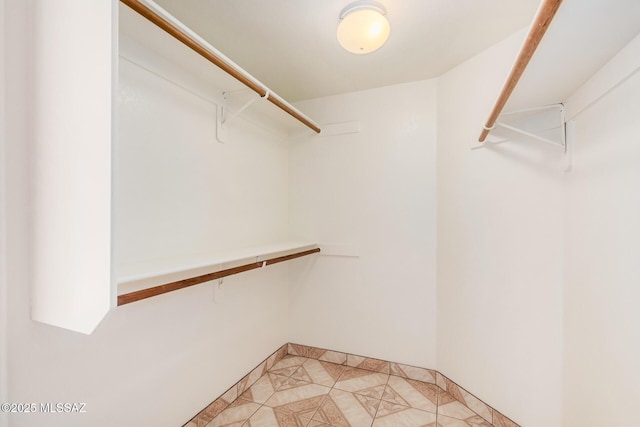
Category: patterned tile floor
<point>301,392</point>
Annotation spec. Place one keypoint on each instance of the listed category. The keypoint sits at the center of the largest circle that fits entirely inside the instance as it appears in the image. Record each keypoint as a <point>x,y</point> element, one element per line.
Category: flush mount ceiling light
<point>363,27</point>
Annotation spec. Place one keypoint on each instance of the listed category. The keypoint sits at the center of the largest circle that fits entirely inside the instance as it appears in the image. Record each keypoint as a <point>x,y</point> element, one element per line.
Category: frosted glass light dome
<point>363,27</point>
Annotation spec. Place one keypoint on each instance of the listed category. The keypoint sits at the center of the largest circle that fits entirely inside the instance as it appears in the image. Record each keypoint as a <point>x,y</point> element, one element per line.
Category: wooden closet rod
<point>219,60</point>
<point>546,12</point>
<point>185,283</point>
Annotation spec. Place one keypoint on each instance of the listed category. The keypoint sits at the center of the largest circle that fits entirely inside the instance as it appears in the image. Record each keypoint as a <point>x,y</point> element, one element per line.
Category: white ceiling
<point>291,46</point>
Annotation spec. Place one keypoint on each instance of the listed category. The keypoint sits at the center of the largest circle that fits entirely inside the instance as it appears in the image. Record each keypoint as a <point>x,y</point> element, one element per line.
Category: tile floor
<point>302,392</point>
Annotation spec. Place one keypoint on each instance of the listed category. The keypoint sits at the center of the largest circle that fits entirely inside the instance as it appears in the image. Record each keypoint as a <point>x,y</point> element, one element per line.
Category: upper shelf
<point>583,37</point>
<point>544,16</point>
<point>148,24</point>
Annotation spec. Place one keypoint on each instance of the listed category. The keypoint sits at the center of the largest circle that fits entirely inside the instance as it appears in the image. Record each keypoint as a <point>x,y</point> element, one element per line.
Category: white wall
<point>159,361</point>
<point>374,193</point>
<point>180,192</point>
<point>499,251</point>
<point>3,228</point>
<point>602,337</point>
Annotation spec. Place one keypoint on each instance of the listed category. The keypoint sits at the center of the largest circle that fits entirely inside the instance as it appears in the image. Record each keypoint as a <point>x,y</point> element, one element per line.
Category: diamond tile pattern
<point>298,391</point>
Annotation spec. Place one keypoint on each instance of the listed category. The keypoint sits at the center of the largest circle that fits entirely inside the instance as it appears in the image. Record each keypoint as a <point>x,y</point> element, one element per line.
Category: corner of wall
<point>497,266</point>
<point>601,244</point>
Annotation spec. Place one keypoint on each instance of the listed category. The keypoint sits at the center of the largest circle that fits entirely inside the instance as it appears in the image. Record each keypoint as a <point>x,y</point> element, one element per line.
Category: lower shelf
<point>144,286</point>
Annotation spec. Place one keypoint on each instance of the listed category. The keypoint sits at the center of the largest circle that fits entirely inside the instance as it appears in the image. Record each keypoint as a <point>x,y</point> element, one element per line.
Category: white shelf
<point>158,272</point>
<point>582,38</point>
<point>144,39</point>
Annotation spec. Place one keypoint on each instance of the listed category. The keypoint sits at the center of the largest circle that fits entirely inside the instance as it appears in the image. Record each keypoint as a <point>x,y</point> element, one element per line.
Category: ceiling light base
<point>363,27</point>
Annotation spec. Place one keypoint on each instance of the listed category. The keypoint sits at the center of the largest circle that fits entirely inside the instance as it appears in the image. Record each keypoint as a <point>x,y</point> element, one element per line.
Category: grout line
<point>248,418</point>
<point>380,402</point>
<point>437,402</point>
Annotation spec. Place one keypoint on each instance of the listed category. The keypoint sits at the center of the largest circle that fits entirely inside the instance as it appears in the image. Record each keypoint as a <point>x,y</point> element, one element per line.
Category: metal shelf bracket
<point>559,123</point>
<point>553,121</point>
<point>225,116</point>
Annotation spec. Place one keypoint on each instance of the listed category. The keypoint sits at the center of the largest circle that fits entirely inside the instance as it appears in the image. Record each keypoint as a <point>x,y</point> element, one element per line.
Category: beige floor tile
<point>298,349</point>
<point>394,415</point>
<point>301,391</point>
<point>292,382</point>
<point>236,414</point>
<point>469,400</point>
<point>363,382</point>
<point>414,394</point>
<point>477,406</point>
<point>441,381</point>
<point>314,423</point>
<point>344,409</point>
<point>414,373</point>
<point>323,373</point>
<point>476,421</point>
<point>301,374</point>
<point>256,373</point>
<point>211,411</point>
<point>264,388</point>
<point>500,420</point>
<point>270,417</point>
<point>450,407</point>
<point>303,399</point>
<point>334,357</point>
<point>370,364</point>
<point>273,359</point>
<point>288,365</point>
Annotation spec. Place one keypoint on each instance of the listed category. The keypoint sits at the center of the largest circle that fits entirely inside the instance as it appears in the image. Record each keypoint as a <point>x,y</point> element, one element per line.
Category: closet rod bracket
<point>559,124</point>
<point>225,116</point>
<point>221,131</point>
